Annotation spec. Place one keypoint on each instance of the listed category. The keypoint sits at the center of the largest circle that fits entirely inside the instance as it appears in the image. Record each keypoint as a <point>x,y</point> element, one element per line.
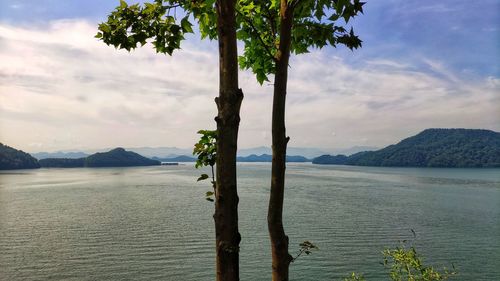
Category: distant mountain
<point>161,152</point>
<point>269,158</point>
<point>11,159</point>
<point>182,158</point>
<point>249,158</point>
<point>308,152</point>
<point>59,154</point>
<point>355,149</point>
<point>243,152</point>
<point>304,151</point>
<point>255,158</point>
<point>432,148</point>
<point>173,152</point>
<point>117,157</point>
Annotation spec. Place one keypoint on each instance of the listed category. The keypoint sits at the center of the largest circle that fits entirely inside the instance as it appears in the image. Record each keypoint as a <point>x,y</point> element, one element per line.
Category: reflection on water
<point>153,223</point>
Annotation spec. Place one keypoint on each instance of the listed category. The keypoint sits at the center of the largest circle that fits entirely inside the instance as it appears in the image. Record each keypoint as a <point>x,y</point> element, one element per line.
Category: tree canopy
<point>317,23</point>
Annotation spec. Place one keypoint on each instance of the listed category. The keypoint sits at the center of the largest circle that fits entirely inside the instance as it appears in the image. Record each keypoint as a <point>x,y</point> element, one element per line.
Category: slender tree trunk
<point>279,241</point>
<point>228,103</point>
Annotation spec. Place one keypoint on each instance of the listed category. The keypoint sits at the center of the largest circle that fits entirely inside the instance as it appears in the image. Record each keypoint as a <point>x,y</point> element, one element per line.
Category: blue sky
<point>464,33</point>
<point>423,64</point>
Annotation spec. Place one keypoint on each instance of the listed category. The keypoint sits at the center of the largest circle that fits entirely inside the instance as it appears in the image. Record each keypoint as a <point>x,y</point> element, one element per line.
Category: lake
<point>153,223</point>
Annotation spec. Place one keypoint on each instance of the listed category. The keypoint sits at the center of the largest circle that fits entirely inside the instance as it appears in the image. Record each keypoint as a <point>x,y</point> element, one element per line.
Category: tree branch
<point>266,47</point>
<point>270,18</point>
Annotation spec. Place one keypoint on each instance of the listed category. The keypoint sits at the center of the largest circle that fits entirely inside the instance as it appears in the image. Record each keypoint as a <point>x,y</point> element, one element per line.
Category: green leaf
<point>123,4</point>
<point>186,25</point>
<point>203,177</point>
<point>104,28</point>
<point>261,77</point>
<point>206,148</point>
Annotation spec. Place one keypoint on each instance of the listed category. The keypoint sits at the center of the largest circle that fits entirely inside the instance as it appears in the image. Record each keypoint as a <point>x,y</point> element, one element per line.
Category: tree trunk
<point>279,241</point>
<point>228,103</point>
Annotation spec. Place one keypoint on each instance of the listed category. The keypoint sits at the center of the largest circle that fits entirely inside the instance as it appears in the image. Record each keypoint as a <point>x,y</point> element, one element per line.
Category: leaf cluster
<point>130,25</point>
<point>206,149</point>
<point>355,277</point>
<point>406,264</point>
<point>316,24</point>
<point>306,247</point>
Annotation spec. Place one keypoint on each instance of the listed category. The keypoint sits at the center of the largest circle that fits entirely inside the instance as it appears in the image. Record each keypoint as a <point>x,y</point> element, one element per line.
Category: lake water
<point>153,223</point>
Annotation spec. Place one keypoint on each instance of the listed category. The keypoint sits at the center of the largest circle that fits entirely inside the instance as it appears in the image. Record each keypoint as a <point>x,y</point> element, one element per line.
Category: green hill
<point>11,159</point>
<point>434,148</point>
<point>333,160</point>
<point>117,157</point>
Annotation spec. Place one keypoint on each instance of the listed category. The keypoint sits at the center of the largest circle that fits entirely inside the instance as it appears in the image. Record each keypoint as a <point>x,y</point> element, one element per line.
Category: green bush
<point>405,264</point>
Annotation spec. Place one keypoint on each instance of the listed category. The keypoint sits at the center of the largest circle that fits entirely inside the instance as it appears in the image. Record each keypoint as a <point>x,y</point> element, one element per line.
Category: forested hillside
<point>431,148</point>
<point>11,158</point>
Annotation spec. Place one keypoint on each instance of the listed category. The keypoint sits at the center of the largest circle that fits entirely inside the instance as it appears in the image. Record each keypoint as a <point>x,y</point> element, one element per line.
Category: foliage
<point>406,264</point>
<point>316,23</point>
<point>11,158</point>
<point>431,148</point>
<point>206,151</point>
<point>131,25</point>
<point>355,277</point>
<point>306,247</point>
<point>206,148</point>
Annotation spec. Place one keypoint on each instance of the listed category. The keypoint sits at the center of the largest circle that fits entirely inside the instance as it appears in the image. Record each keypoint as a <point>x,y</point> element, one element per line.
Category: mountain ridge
<point>435,147</point>
<point>14,159</point>
<point>172,152</point>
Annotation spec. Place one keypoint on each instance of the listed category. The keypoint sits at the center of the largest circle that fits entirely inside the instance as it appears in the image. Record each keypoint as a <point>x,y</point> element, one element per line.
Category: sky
<point>423,64</point>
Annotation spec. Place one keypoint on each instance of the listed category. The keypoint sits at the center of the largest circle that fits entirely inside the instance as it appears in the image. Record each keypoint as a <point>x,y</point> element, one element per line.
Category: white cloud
<point>62,89</point>
<point>378,104</point>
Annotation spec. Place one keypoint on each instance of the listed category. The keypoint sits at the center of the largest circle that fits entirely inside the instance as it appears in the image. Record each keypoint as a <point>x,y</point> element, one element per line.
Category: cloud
<point>62,89</point>
<point>62,79</point>
<point>379,104</point>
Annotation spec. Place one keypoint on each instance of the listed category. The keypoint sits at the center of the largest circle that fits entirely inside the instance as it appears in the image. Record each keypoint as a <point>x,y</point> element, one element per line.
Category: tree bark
<point>279,241</point>
<point>228,103</point>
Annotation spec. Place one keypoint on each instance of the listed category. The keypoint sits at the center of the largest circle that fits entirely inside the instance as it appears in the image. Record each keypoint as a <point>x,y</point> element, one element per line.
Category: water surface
<point>153,223</point>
